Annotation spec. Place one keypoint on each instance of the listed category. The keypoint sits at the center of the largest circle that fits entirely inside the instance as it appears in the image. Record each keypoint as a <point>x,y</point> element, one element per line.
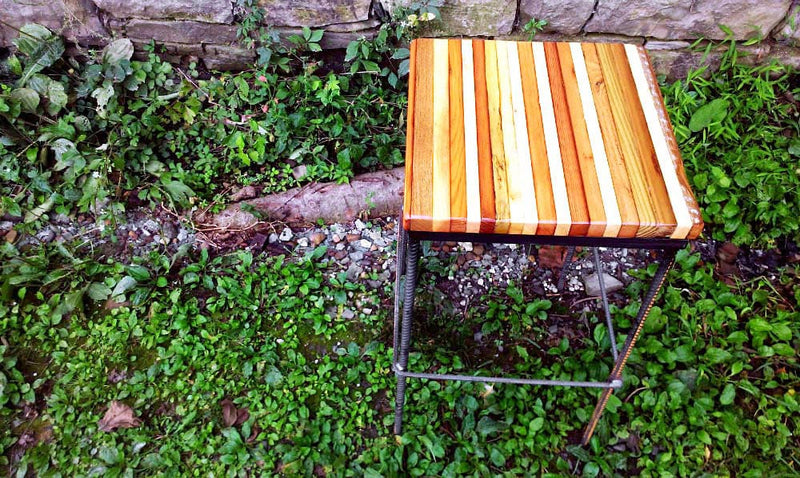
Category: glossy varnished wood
<point>564,139</point>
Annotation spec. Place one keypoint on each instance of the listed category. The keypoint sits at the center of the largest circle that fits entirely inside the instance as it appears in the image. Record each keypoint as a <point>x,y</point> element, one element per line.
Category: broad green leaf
<point>711,112</point>
<point>124,284</point>
<point>27,98</point>
<point>118,51</point>
<point>179,192</point>
<point>728,394</point>
<point>56,96</point>
<point>40,210</point>
<point>758,325</point>
<point>98,291</point>
<point>103,94</point>
<point>497,457</point>
<point>41,48</point>
<point>716,355</point>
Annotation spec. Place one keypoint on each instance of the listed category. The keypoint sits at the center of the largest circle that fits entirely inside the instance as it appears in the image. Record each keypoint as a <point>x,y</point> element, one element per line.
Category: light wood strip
<point>508,128</point>
<point>540,169</point>
<point>652,201</point>
<point>458,180</point>
<point>422,165</point>
<point>559,187</point>
<point>583,147</point>
<point>485,170</point>
<point>441,137</point>
<point>502,210</point>
<point>578,207</point>
<point>603,174</point>
<point>619,175</point>
<point>472,176</point>
<point>412,83</point>
<point>522,171</point>
<point>686,195</point>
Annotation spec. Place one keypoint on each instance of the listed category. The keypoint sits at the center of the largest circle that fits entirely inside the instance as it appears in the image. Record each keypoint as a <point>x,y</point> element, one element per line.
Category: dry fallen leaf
<point>118,415</point>
<point>231,415</point>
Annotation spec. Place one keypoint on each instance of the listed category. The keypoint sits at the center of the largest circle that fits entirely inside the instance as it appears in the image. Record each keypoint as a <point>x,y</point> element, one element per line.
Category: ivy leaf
<point>27,98</point>
<point>118,51</point>
<point>98,291</point>
<point>40,46</point>
<point>711,112</point>
<point>728,394</point>
<point>179,192</point>
<point>716,355</point>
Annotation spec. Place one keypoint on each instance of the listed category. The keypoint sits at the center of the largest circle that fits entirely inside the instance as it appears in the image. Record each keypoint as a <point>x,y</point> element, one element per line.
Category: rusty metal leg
<point>400,269</point>
<point>565,267</point>
<point>401,364</point>
<point>616,373</point>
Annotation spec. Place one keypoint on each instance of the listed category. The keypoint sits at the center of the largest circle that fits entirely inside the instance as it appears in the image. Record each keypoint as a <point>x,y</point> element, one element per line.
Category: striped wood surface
<point>568,139</point>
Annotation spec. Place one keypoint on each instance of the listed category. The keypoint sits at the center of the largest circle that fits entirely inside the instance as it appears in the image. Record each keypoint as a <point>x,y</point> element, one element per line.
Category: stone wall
<point>206,29</point>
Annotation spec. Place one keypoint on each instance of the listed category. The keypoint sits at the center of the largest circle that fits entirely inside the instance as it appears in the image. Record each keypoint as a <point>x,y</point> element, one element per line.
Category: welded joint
<point>616,383</point>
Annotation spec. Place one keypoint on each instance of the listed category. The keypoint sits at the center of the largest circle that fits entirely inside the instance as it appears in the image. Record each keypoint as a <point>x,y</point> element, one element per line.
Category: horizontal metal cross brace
<point>617,383</point>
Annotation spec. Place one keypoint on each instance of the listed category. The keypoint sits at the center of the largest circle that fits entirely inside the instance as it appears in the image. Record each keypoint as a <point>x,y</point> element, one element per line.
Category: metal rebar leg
<point>412,256</point>
<point>598,269</point>
<point>633,335</point>
<point>400,269</point>
<point>566,265</point>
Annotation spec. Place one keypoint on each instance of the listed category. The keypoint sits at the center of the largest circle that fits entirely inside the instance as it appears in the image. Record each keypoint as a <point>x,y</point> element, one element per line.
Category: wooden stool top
<point>566,139</point>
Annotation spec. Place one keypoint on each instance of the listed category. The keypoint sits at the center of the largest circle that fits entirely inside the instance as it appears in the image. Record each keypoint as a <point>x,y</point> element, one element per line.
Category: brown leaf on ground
<point>231,415</point>
<point>552,256</point>
<point>118,415</point>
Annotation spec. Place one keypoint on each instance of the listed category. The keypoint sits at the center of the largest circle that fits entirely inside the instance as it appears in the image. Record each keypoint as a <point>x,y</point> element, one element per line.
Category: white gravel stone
<point>286,234</point>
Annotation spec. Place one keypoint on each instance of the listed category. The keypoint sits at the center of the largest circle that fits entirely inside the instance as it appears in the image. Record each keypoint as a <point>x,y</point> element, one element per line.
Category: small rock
<point>11,236</point>
<point>5,226</point>
<point>299,172</point>
<point>356,256</point>
<point>183,234</point>
<point>247,192</point>
<point>45,235</point>
<point>348,314</point>
<point>592,284</point>
<point>374,284</point>
<point>273,238</point>
<point>168,230</point>
<point>552,256</point>
<point>317,238</point>
<point>286,234</point>
<point>478,249</point>
<point>353,237</point>
<point>336,238</point>
<point>151,226</point>
<point>360,225</point>
<point>467,246</point>
<point>353,272</point>
<point>302,242</point>
<point>132,235</point>
<point>339,255</point>
<point>365,243</point>
<point>366,310</point>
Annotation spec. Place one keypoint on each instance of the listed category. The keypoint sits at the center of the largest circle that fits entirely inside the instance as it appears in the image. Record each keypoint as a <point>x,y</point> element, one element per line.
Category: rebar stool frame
<point>564,144</point>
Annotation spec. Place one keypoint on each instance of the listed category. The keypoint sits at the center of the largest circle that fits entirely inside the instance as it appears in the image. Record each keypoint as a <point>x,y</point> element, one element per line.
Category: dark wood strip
<point>650,194</point>
<point>578,208</point>
<point>485,172</point>
<point>458,172</point>
<point>616,163</point>
<point>421,214</point>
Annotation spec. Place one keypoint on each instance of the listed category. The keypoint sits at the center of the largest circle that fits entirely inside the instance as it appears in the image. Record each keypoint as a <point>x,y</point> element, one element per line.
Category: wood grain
<point>422,172</point>
<point>472,176</point>
<point>441,137</point>
<point>578,208</point>
<point>619,175</point>
<point>485,170</point>
<point>583,147</point>
<point>513,184</point>
<point>409,166</point>
<point>604,182</point>
<point>540,169</point>
<point>458,173</point>
<point>688,196</point>
<point>650,195</point>
<point>522,171</point>
<point>502,210</point>
<point>558,183</point>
